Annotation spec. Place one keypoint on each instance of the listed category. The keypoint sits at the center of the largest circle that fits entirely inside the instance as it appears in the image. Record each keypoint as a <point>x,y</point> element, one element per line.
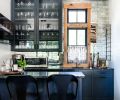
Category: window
<point>77,35</point>
<point>77,46</point>
<point>77,15</point>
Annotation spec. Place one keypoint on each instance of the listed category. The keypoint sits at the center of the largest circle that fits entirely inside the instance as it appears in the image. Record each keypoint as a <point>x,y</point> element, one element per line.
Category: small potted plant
<point>21,62</point>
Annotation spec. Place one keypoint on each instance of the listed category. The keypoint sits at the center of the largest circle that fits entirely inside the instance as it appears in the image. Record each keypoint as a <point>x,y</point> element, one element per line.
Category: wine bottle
<point>98,64</point>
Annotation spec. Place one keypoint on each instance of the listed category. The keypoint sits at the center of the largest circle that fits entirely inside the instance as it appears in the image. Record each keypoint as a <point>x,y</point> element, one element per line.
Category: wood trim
<point>89,33</point>
<point>65,35</point>
<point>77,25</point>
<point>82,25</point>
<point>77,5</point>
<point>74,65</point>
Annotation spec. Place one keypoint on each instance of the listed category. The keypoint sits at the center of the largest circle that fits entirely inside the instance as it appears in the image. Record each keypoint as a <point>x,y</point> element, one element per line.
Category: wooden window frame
<point>86,25</point>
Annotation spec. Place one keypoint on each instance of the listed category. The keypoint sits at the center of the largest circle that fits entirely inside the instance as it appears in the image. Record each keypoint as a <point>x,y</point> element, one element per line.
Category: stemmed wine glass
<point>29,4</point>
<point>22,4</point>
<point>18,3</point>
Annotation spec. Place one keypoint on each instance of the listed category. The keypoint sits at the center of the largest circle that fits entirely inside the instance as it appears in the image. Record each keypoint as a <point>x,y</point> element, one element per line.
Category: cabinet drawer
<point>103,73</point>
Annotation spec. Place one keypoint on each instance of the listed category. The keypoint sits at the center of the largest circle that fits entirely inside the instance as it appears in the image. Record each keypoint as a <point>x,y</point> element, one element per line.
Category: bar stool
<point>62,87</point>
<point>22,88</point>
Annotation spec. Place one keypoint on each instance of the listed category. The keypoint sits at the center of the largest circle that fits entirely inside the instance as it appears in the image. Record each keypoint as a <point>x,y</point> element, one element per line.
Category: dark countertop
<point>46,69</point>
<point>36,69</point>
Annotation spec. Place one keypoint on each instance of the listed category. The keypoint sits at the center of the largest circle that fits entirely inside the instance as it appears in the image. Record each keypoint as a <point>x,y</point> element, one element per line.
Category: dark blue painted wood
<point>98,84</point>
<point>103,84</point>
<point>4,94</point>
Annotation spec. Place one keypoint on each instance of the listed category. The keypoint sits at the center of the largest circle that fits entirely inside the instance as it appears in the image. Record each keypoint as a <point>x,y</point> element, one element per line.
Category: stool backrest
<point>22,87</point>
<point>62,87</point>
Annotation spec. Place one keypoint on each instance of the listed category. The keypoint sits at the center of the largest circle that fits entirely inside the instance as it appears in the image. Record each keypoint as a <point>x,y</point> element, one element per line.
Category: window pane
<point>72,37</point>
<point>77,54</point>
<point>81,16</point>
<point>72,15</point>
<point>81,37</point>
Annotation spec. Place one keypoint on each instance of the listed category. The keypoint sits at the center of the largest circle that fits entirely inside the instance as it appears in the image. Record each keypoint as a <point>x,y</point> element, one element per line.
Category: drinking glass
<point>32,14</point>
<point>21,4</point>
<point>25,15</point>
<point>53,5</point>
<point>16,27</point>
<point>19,27</point>
<point>18,3</point>
<point>28,14</point>
<point>21,15</point>
<point>18,15</point>
<point>40,14</point>
<point>29,4</point>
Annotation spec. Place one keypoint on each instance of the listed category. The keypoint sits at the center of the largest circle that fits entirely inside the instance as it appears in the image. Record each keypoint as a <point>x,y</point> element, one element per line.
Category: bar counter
<point>41,75</point>
<point>100,79</point>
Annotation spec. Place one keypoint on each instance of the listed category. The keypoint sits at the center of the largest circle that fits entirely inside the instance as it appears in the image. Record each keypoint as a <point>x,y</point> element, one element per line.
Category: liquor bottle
<point>90,63</point>
<point>93,60</point>
<point>98,64</point>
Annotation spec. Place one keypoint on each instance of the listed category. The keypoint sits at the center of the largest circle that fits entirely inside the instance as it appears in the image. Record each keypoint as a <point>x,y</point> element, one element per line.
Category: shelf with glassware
<point>6,29</point>
<point>24,34</point>
<point>77,34</point>
<point>48,13</point>
<point>39,22</point>
<point>50,17</point>
<point>23,15</point>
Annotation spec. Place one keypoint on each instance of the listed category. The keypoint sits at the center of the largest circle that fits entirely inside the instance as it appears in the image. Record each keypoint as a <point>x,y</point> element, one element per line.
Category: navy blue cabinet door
<point>4,94</point>
<point>87,85</point>
<point>103,84</point>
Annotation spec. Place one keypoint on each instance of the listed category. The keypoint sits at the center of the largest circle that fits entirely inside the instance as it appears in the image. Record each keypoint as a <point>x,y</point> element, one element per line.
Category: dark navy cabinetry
<point>87,85</point>
<point>98,84</point>
<point>103,84</point>
<point>38,25</point>
<point>4,94</point>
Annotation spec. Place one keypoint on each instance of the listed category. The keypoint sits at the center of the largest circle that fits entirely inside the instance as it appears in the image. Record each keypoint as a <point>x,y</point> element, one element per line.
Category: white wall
<point>115,21</point>
<point>5,49</point>
<point>5,53</point>
<point>5,8</point>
